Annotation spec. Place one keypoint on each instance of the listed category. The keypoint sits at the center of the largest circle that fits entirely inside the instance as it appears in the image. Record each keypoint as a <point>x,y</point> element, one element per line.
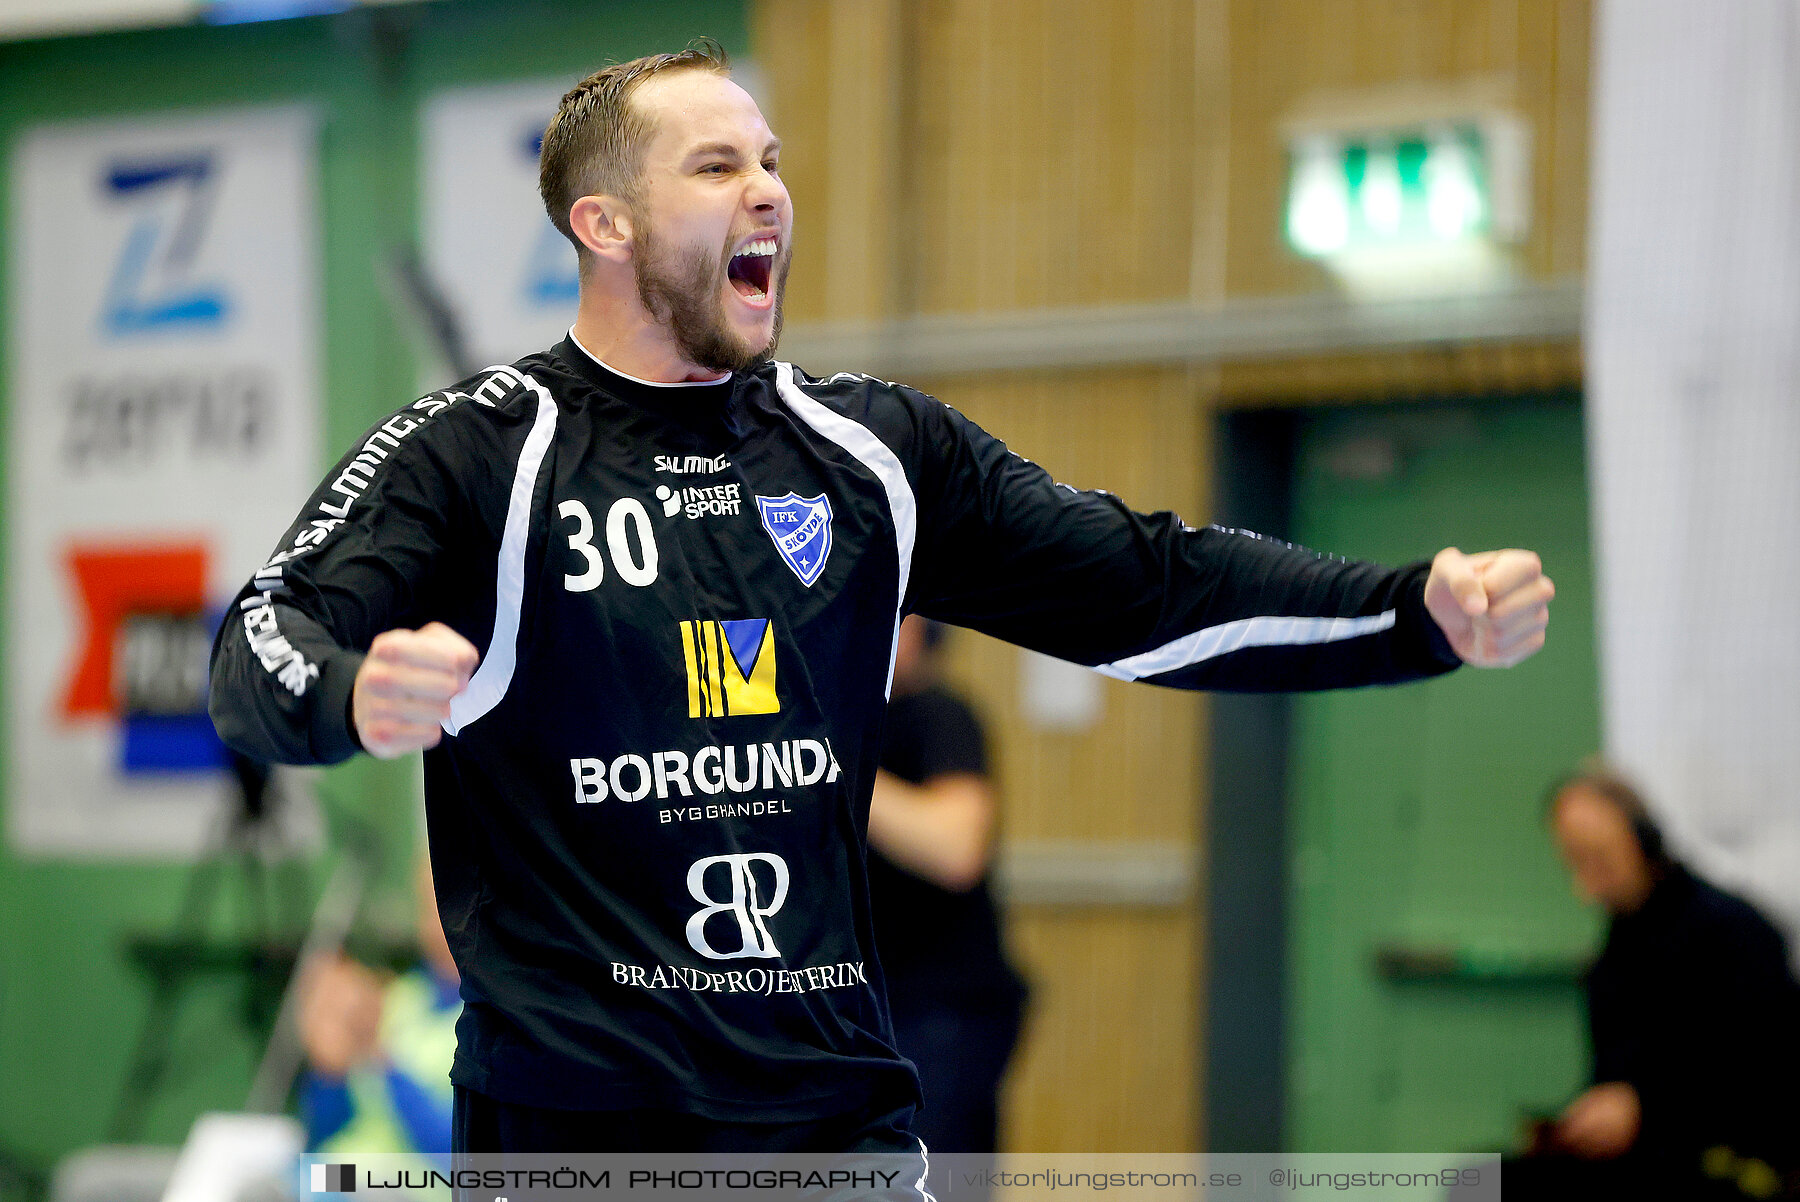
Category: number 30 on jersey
<point>627,517</point>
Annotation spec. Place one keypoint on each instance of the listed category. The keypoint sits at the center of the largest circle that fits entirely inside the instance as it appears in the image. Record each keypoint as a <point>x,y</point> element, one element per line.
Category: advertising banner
<point>505,274</point>
<point>164,409</point>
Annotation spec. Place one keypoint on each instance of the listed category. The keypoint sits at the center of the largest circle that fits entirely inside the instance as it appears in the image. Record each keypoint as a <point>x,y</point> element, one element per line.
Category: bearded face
<point>688,287</point>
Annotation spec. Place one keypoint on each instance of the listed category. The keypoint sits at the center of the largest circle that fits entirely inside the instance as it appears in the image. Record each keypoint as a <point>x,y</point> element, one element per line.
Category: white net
<point>1693,347</point>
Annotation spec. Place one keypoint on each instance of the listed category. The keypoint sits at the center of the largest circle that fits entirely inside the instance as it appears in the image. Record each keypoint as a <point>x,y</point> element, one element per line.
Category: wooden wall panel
<point>863,190</point>
<point>1138,433</point>
<point>1108,1036</point>
<point>1290,56</point>
<point>791,41</point>
<point>1557,65</point>
<point>1085,1080</point>
<point>1047,156</point>
<point>1054,158</point>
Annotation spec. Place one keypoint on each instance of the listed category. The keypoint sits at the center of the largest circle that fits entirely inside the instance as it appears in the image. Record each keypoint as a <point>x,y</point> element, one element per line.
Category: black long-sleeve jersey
<point>647,817</point>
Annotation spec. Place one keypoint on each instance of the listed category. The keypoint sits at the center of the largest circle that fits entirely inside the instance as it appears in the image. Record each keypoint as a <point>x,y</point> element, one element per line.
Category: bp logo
<point>801,529</point>
<point>754,886</point>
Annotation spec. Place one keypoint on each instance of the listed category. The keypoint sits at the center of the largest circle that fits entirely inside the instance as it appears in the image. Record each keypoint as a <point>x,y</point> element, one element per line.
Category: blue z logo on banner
<point>150,288</point>
<point>801,529</point>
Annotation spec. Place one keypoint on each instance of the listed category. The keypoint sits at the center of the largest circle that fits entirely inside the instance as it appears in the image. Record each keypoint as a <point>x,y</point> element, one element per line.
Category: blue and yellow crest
<point>730,668</point>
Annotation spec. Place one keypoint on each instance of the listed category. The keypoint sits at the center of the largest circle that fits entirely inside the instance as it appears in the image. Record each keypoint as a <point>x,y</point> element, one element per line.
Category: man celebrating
<point>638,596</point>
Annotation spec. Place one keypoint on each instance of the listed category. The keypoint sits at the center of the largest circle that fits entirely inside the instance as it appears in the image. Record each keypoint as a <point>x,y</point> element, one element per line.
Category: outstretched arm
<point>1005,549</point>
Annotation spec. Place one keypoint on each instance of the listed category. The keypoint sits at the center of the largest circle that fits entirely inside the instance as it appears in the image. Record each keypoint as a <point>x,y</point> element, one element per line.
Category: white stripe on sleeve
<point>1214,641</point>
<point>873,454</point>
<point>491,679</point>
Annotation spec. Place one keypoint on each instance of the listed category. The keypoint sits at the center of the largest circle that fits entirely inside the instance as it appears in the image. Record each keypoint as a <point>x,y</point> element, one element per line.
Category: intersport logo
<point>711,500</point>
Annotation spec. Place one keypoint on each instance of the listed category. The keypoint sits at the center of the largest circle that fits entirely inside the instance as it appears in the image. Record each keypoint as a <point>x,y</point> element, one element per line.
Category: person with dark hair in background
<point>956,1001</point>
<point>1694,1017</point>
<point>638,594</point>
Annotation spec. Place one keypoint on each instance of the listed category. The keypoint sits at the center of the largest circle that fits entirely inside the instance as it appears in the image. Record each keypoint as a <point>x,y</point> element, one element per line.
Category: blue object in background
<point>239,12</point>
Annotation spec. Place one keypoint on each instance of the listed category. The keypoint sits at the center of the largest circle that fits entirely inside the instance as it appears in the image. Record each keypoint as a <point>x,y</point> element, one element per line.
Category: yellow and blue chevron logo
<point>730,668</point>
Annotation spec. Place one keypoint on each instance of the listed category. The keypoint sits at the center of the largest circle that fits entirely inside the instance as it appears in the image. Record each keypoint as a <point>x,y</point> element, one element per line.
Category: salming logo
<point>730,668</point>
<point>691,465</point>
<point>272,648</point>
<point>278,655</point>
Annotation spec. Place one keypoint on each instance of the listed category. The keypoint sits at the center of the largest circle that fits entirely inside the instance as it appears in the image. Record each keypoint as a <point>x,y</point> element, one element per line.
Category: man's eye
<point>772,167</point>
<point>715,169</point>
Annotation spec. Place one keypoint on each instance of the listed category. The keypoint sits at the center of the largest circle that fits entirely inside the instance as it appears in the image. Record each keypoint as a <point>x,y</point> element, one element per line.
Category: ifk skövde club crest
<point>801,530</point>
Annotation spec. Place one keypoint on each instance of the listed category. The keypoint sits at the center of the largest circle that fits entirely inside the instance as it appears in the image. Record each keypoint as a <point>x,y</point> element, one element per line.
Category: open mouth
<point>750,268</point>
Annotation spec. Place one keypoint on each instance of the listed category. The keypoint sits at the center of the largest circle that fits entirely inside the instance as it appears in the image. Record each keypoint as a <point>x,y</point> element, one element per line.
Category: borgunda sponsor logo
<point>711,771</point>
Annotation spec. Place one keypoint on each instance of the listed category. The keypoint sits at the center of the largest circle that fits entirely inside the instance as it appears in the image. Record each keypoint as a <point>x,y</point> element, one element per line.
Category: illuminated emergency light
<point>1352,192</point>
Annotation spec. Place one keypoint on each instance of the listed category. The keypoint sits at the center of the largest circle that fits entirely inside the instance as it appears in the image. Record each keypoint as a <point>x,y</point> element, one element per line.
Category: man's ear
<point>604,225</point>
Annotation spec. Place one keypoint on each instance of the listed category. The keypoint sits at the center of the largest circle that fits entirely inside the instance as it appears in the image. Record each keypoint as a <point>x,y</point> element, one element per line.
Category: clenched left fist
<point>1492,606</point>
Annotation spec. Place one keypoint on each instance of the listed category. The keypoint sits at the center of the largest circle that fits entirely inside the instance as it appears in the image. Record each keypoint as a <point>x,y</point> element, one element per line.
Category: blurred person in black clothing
<point>956,1001</point>
<point>1694,1018</point>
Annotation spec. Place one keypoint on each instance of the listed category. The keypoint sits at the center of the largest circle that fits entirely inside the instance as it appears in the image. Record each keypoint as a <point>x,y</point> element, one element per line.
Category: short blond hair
<point>594,145</point>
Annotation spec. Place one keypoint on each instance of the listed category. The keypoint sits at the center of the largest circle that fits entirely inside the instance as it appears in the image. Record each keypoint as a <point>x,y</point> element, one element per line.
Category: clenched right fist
<point>403,689</point>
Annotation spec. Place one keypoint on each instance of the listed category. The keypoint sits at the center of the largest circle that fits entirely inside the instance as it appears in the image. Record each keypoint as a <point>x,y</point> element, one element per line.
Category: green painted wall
<point>1416,811</point>
<point>69,1007</point>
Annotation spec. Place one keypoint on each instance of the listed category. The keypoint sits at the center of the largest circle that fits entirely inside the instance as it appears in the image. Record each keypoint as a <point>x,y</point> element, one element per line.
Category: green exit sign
<point>1416,187</point>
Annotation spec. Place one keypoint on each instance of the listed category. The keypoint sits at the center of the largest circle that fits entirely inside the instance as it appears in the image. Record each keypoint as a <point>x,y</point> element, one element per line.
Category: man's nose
<point>767,194</point>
